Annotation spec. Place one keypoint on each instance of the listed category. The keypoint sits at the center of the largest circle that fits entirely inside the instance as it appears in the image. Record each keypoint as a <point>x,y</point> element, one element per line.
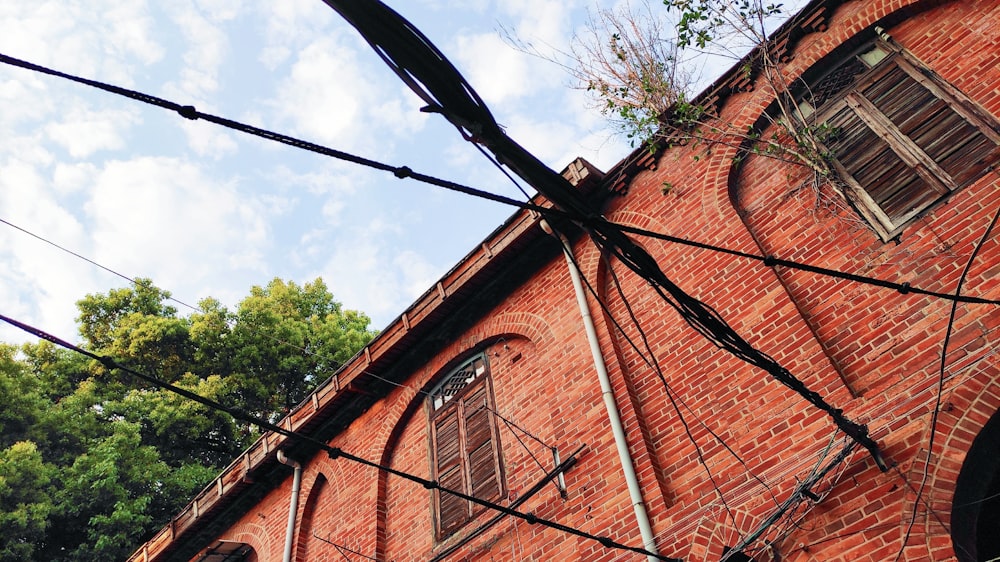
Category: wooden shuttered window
<point>464,445</point>
<point>901,138</point>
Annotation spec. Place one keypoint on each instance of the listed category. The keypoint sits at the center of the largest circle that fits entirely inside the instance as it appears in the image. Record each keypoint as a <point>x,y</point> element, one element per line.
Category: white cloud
<point>242,211</point>
<point>221,10</point>
<point>416,273</point>
<point>38,283</point>
<point>164,218</point>
<point>328,97</point>
<point>401,114</point>
<point>26,148</point>
<point>496,71</point>
<point>72,178</point>
<point>104,39</point>
<point>290,26</point>
<point>127,28</point>
<point>365,274</point>
<point>545,21</point>
<point>325,92</point>
<point>24,97</point>
<point>208,139</point>
<point>83,131</point>
<point>206,49</point>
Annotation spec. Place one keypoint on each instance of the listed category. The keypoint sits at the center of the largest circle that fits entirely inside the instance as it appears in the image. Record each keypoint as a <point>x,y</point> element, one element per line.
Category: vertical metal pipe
<point>614,419</point>
<point>293,504</point>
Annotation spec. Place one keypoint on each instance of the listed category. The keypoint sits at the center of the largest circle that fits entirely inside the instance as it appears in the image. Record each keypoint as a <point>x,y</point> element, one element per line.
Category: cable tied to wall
<point>802,492</point>
<point>432,77</point>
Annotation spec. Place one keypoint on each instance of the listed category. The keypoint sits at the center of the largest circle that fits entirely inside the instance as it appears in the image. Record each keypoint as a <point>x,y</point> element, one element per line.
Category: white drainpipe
<point>634,492</point>
<point>293,505</point>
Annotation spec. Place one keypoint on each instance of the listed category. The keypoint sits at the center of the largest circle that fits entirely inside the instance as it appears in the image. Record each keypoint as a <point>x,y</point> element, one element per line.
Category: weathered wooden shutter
<point>480,445</point>
<point>465,448</point>
<point>907,140</point>
<point>917,106</point>
<point>452,510</point>
<point>891,183</point>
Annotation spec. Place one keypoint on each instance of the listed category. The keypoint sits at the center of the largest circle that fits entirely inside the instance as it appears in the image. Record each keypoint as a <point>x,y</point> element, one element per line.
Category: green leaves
<point>702,22</point>
<point>102,316</point>
<point>92,461</point>
<point>628,62</point>
<point>25,494</point>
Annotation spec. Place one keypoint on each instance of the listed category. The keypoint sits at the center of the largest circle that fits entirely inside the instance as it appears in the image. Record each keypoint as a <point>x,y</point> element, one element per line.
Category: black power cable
<point>430,75</point>
<point>608,237</point>
<point>700,316</point>
<point>940,380</point>
<point>343,550</point>
<point>403,172</point>
<point>650,359</point>
<point>332,452</point>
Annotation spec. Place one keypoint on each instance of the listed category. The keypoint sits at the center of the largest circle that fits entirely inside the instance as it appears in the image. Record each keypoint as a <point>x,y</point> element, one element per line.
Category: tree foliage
<point>93,462</point>
<point>629,60</point>
<point>639,62</point>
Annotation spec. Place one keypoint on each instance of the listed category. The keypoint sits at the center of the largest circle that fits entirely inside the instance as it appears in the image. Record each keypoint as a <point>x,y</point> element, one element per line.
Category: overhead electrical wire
<point>82,257</point>
<point>459,103</point>
<point>474,121</point>
<point>197,309</point>
<point>802,490</point>
<point>333,452</point>
<point>343,549</point>
<point>654,363</point>
<point>404,172</point>
<point>590,288</point>
<point>699,316</point>
<point>941,376</point>
<point>432,77</point>
<point>510,424</point>
<point>649,358</point>
<point>918,498</point>
<point>135,282</point>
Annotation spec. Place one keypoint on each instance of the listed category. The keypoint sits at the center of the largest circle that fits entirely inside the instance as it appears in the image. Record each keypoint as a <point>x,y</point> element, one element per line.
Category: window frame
<point>939,184</point>
<point>461,404</point>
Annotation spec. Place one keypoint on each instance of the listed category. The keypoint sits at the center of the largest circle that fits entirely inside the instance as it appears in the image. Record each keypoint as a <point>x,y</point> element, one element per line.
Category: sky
<point>208,212</point>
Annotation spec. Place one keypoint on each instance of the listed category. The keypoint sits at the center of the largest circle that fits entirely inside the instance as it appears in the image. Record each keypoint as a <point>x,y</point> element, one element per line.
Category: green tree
<point>104,318</point>
<point>93,461</point>
<point>287,339</point>
<point>26,498</point>
<point>21,399</point>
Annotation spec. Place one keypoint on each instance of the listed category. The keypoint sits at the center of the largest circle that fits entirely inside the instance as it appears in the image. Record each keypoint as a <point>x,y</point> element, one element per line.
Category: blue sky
<point>204,211</point>
<point>207,212</point>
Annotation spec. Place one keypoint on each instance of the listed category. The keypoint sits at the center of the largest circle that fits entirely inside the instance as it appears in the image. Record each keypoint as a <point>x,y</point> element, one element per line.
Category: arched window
<point>228,551</point>
<point>465,448</point>
<point>975,509</point>
<point>900,137</point>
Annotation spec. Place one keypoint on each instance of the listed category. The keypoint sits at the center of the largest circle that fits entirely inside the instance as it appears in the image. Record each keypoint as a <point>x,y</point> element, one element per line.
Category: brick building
<point>486,378</point>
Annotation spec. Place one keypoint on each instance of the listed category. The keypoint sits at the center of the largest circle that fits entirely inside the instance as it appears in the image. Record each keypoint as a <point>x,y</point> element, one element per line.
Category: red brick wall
<point>870,351</point>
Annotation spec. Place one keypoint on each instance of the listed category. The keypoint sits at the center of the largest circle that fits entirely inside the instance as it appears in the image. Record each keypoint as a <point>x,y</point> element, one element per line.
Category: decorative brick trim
<point>256,536</point>
<point>965,410</point>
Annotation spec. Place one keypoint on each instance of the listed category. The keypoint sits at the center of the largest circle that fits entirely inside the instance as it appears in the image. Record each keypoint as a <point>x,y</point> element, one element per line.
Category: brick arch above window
<point>521,331</point>
<point>308,544</point>
<point>967,406</point>
<point>816,51</point>
<point>899,137</point>
<point>256,536</point>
